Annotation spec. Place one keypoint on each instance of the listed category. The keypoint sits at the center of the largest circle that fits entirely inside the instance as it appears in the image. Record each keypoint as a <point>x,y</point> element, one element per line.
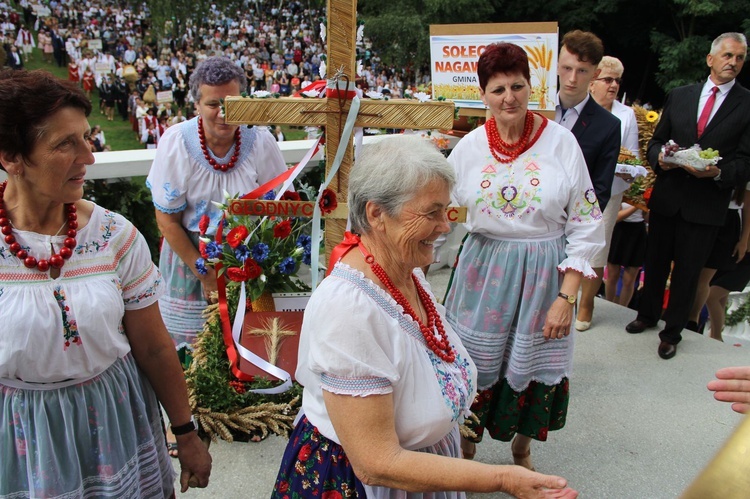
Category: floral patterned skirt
<point>497,302</point>
<point>315,466</point>
<point>102,437</point>
<point>182,304</point>
<point>533,412</point>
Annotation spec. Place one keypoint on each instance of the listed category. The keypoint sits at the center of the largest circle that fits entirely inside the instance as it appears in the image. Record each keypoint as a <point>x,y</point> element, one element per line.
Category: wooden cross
<point>331,112</point>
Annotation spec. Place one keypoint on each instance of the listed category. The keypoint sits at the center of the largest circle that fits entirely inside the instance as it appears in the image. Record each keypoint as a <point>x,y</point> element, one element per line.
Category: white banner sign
<point>454,58</point>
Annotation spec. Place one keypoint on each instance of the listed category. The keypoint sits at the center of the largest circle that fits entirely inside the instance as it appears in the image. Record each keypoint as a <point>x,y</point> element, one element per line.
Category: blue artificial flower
<point>304,241</point>
<point>213,250</point>
<point>269,196</point>
<point>200,266</point>
<point>287,265</point>
<point>241,252</point>
<point>260,252</point>
<point>306,257</point>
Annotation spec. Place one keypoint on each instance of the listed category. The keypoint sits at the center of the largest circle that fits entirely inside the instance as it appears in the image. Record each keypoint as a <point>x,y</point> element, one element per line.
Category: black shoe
<point>692,326</point>
<point>638,326</point>
<point>667,350</point>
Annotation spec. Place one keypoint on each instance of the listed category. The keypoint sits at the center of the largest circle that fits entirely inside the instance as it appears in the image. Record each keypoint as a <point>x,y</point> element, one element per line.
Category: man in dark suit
<point>596,129</point>
<point>688,206</point>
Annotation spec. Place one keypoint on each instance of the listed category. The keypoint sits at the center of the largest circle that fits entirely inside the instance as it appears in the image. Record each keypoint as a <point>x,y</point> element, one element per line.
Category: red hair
<point>502,57</point>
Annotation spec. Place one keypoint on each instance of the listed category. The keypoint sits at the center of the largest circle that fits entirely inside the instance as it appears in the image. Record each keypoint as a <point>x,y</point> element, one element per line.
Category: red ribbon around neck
<point>350,241</point>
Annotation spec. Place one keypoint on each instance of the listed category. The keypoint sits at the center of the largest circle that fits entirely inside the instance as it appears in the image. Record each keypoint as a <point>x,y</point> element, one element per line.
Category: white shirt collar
<point>578,107</point>
<point>723,88</point>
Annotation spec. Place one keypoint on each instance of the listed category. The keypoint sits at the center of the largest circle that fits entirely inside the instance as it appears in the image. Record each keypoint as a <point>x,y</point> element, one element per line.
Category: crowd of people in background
<point>108,46</point>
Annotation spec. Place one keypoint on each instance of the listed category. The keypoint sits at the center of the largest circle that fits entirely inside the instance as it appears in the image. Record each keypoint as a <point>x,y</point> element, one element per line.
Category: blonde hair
<point>611,63</point>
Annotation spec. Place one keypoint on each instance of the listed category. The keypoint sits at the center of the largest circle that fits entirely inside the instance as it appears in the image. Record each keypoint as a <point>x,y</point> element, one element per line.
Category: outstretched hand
<point>209,285</point>
<point>532,485</point>
<point>733,385</point>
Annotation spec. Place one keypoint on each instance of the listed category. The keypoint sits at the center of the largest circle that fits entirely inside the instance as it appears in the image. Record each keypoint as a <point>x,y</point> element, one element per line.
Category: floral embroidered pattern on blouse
<point>455,390</point>
<point>587,208</point>
<point>146,293</point>
<point>105,230</point>
<point>169,193</point>
<point>204,208</point>
<point>70,328</point>
<point>502,195</point>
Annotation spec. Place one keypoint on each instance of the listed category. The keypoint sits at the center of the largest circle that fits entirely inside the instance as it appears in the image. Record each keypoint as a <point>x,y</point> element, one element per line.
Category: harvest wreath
<point>225,407</point>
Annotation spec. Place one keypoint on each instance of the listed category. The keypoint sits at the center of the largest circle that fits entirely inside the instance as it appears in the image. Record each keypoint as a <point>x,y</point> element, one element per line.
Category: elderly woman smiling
<point>386,380</point>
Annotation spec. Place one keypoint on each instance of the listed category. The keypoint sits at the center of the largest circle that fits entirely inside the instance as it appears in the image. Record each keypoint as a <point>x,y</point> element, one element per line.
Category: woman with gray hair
<point>196,162</point>
<point>386,379</point>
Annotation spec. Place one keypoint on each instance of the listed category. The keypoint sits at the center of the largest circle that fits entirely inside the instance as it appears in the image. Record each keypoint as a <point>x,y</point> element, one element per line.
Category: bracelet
<point>186,428</point>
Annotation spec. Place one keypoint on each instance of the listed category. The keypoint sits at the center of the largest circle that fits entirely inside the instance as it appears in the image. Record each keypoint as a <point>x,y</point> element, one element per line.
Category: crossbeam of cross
<point>330,112</point>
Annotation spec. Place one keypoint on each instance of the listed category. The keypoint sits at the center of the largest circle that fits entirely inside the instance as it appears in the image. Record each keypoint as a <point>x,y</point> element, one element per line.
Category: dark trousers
<point>688,245</point>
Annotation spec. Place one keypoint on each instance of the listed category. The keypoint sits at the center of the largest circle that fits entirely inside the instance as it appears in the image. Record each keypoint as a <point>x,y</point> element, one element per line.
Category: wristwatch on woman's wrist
<point>186,428</point>
<point>568,298</point>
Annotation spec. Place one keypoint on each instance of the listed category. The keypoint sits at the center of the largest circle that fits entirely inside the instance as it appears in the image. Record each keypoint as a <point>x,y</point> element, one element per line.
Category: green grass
<point>118,134</point>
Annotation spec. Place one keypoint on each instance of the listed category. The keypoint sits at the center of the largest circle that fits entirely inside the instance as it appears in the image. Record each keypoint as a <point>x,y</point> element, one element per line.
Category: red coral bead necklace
<point>505,152</point>
<point>218,166</point>
<point>438,343</point>
<point>56,260</point>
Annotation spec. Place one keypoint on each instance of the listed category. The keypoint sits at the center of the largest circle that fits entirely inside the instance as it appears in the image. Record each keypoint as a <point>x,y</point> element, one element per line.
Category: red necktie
<point>706,113</point>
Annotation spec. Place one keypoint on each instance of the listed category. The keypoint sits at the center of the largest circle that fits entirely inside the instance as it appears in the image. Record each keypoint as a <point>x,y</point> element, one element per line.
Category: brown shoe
<point>638,326</point>
<point>523,460</point>
<point>667,350</point>
<point>520,459</point>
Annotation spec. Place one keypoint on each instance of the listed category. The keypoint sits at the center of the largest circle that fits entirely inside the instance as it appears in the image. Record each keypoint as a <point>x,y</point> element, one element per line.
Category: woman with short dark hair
<point>533,224</point>
<point>84,355</point>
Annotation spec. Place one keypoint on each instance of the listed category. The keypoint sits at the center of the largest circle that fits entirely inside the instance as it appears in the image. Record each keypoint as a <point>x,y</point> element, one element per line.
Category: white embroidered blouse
<point>357,341</point>
<point>70,329</point>
<point>182,180</point>
<point>545,191</point>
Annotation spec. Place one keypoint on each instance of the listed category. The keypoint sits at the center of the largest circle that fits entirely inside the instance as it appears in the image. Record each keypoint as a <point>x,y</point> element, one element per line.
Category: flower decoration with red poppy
<point>203,224</point>
<point>290,196</point>
<point>282,229</point>
<point>263,252</point>
<point>328,202</point>
<point>237,236</point>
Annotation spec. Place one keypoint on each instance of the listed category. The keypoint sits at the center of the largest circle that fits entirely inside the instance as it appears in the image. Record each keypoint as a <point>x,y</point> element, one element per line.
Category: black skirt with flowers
<point>314,466</point>
<point>532,412</point>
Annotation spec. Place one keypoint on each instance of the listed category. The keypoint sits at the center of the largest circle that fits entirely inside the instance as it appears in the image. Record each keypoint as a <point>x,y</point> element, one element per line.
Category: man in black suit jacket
<point>597,131</point>
<point>688,206</point>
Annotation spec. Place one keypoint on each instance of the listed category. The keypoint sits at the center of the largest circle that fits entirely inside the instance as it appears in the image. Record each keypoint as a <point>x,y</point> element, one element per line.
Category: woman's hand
<point>209,285</point>
<point>733,385</point>
<point>559,319</point>
<point>195,461</point>
<point>525,484</point>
